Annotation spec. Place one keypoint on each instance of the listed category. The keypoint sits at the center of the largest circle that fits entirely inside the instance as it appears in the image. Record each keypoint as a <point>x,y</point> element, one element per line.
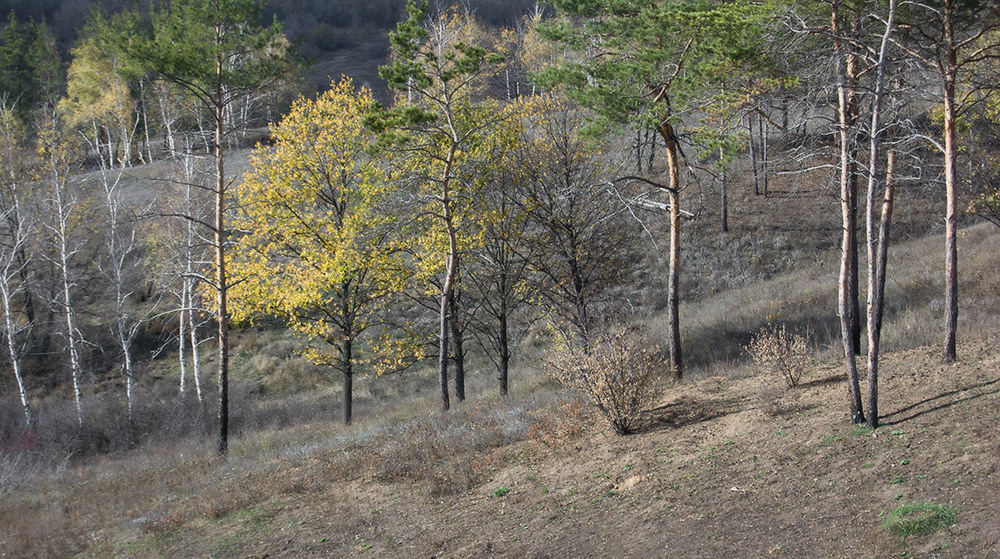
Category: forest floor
<point>721,470</point>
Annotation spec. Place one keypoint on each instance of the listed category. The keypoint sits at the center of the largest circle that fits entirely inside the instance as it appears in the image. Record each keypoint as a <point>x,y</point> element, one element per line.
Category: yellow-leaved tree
<point>317,247</point>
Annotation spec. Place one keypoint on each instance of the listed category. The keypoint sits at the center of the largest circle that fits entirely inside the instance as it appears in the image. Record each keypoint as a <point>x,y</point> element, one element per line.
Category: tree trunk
<point>877,251</point>
<point>187,305</point>
<point>443,345</point>
<point>448,286</point>
<point>62,214</point>
<point>724,210</point>
<point>347,351</point>
<point>762,130</point>
<point>182,336</point>
<point>950,184</point>
<point>195,353</point>
<point>504,342</point>
<point>753,156</point>
<point>11,332</point>
<point>848,261</point>
<point>459,346</point>
<point>673,279</point>
<point>348,380</point>
<point>222,287</point>
<point>877,304</point>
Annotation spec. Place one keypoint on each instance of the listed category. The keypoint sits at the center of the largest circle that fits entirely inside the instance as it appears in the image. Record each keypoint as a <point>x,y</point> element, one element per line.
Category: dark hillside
<point>336,37</point>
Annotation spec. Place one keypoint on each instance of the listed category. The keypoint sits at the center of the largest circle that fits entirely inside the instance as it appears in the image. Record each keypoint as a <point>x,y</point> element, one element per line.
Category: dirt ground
<point>716,474</point>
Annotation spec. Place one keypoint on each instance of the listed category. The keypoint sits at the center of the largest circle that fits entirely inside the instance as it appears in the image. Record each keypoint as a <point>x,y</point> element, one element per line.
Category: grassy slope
<point>717,473</point>
<point>714,476</point>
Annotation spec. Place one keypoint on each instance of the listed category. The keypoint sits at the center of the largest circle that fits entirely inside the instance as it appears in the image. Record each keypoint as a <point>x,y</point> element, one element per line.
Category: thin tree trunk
<point>877,305</point>
<point>459,345</point>
<point>11,328</point>
<point>222,286</point>
<point>724,210</point>
<point>182,336</point>
<point>848,245</point>
<point>448,286</point>
<point>762,130</point>
<point>950,181</point>
<point>504,338</point>
<point>753,156</point>
<point>348,378</point>
<point>187,304</point>
<point>877,251</point>
<point>15,355</point>
<point>195,353</point>
<point>673,278</point>
<point>62,234</point>
<point>443,343</point>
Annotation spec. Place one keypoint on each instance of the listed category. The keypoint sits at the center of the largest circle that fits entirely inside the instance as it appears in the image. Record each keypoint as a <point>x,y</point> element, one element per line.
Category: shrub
<point>919,519</point>
<point>618,374</point>
<point>778,353</point>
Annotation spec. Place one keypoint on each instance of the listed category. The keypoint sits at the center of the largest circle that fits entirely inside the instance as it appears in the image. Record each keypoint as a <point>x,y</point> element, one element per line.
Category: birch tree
<point>56,154</point>
<point>878,247</point>
<point>12,274</point>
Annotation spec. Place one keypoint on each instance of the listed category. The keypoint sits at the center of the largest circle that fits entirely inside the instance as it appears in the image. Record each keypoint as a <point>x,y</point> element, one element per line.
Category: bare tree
<point>877,249</point>
<point>57,156</point>
<point>122,267</point>
<point>12,269</point>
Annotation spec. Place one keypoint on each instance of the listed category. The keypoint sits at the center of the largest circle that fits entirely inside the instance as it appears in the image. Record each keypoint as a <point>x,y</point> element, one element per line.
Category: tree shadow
<point>884,419</point>
<point>688,411</point>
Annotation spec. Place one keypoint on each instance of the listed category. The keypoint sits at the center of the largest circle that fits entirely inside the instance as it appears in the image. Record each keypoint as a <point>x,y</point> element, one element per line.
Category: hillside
<point>715,474</point>
<point>729,465</point>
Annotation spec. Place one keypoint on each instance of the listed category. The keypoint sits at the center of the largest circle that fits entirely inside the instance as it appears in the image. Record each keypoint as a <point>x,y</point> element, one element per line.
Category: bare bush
<point>618,374</point>
<point>778,353</point>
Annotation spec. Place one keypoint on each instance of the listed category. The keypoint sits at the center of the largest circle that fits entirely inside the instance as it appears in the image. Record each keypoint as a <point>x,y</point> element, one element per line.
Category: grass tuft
<point>919,519</point>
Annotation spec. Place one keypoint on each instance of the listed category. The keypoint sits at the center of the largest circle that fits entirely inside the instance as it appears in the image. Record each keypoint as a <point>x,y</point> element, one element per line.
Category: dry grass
<point>778,265</point>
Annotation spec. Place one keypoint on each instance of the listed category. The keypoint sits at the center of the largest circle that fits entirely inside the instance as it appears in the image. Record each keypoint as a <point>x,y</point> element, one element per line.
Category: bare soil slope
<point>718,473</point>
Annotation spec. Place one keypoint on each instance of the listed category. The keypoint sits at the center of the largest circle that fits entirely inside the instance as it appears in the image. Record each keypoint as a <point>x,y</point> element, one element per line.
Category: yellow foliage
<point>316,244</point>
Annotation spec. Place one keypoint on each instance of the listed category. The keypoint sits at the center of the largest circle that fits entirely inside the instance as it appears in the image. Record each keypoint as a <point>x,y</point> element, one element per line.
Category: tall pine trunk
<point>222,287</point>
<point>846,296</point>
<point>950,182</point>
<point>673,275</point>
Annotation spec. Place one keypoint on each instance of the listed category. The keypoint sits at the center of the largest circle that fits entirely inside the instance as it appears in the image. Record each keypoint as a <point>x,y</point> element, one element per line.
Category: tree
<point>31,70</point>
<point>13,253</point>
<point>951,37</point>
<point>57,161</point>
<point>122,266</point>
<point>216,51</point>
<point>585,243</point>
<point>317,247</point>
<point>647,64</point>
<point>877,249</point>
<point>99,101</point>
<point>442,130</point>
<point>500,271</point>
